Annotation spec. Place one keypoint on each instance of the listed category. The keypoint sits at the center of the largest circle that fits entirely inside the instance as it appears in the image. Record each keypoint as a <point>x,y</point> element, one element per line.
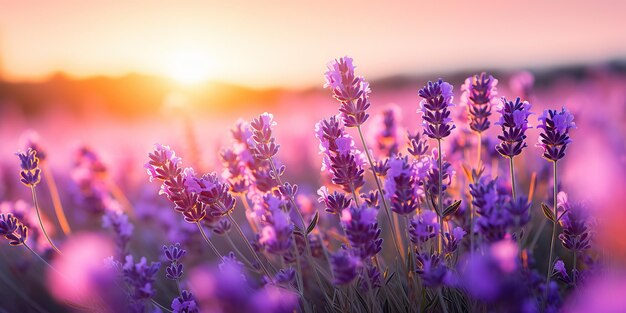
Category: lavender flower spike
<point>30,173</point>
<point>350,90</point>
<point>514,123</point>
<point>479,94</point>
<point>436,99</point>
<point>555,136</point>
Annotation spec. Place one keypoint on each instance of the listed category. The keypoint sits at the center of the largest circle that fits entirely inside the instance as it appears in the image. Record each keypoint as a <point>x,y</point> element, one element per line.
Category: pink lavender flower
<point>30,173</point>
<point>479,94</point>
<point>262,143</point>
<point>423,226</point>
<point>514,123</point>
<point>436,99</point>
<point>345,267</point>
<point>180,187</point>
<point>555,136</point>
<point>12,230</point>
<point>361,227</point>
<point>401,186</point>
<point>350,90</point>
<point>386,132</point>
<point>522,83</point>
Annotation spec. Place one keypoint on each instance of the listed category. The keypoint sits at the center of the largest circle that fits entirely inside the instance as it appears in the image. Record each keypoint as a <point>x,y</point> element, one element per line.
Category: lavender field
<point>495,189</point>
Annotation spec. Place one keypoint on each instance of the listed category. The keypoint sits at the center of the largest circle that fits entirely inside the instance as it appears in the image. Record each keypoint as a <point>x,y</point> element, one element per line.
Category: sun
<point>190,68</point>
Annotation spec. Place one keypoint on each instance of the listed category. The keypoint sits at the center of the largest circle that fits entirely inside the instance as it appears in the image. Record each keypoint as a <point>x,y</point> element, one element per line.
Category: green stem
<point>549,271</point>
<point>396,241</point>
<point>512,178</point>
<point>444,308</point>
<point>43,229</point>
<point>256,257</point>
<point>479,150</point>
<point>236,250</point>
<point>440,198</point>
<point>574,270</point>
<point>208,241</point>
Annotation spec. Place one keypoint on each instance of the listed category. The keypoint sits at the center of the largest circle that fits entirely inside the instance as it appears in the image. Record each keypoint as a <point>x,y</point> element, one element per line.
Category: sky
<point>288,43</point>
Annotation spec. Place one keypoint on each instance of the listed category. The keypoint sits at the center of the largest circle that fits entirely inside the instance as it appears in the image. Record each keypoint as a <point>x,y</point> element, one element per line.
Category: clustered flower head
<point>340,156</point>
<point>401,186</point>
<point>12,229</point>
<point>423,226</point>
<point>350,90</point>
<point>345,267</point>
<point>30,173</point>
<point>479,94</point>
<point>123,229</point>
<point>555,136</point>
<point>493,219</point>
<point>436,100</point>
<point>361,227</point>
<point>262,143</point>
<point>140,278</point>
<point>173,254</point>
<point>576,235</point>
<point>386,131</point>
<point>514,123</point>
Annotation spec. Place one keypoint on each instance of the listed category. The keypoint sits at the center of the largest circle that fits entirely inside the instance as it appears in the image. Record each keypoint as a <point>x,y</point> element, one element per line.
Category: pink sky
<point>270,43</point>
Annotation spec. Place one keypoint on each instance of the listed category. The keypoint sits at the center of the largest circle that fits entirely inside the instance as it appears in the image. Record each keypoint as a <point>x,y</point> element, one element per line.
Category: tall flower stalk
<point>554,141</point>
<point>436,99</point>
<point>353,93</point>
<point>514,122</point>
<point>30,177</point>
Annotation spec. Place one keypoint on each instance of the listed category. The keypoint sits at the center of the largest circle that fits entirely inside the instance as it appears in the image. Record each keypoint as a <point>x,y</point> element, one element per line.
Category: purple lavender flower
<point>423,226</point>
<point>361,227</point>
<point>214,193</point>
<point>123,229</point>
<point>285,276</point>
<point>436,99</point>
<point>555,136</point>
<point>30,173</point>
<point>479,93</point>
<point>335,203</point>
<point>140,278</point>
<point>560,272</point>
<point>276,234</point>
<point>431,269</point>
<point>173,254</point>
<point>262,143</point>
<point>164,166</point>
<point>350,90</point>
<point>222,226</point>
<point>576,235</point>
<point>401,186</point>
<point>345,267</point>
<point>519,209</point>
<point>13,230</point>
<point>514,122</point>
<point>371,273</point>
<point>428,171</point>
<point>185,303</point>
<point>493,219</point>
<point>340,156</point>
<point>385,131</point>
<point>453,238</point>
<point>417,146</point>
